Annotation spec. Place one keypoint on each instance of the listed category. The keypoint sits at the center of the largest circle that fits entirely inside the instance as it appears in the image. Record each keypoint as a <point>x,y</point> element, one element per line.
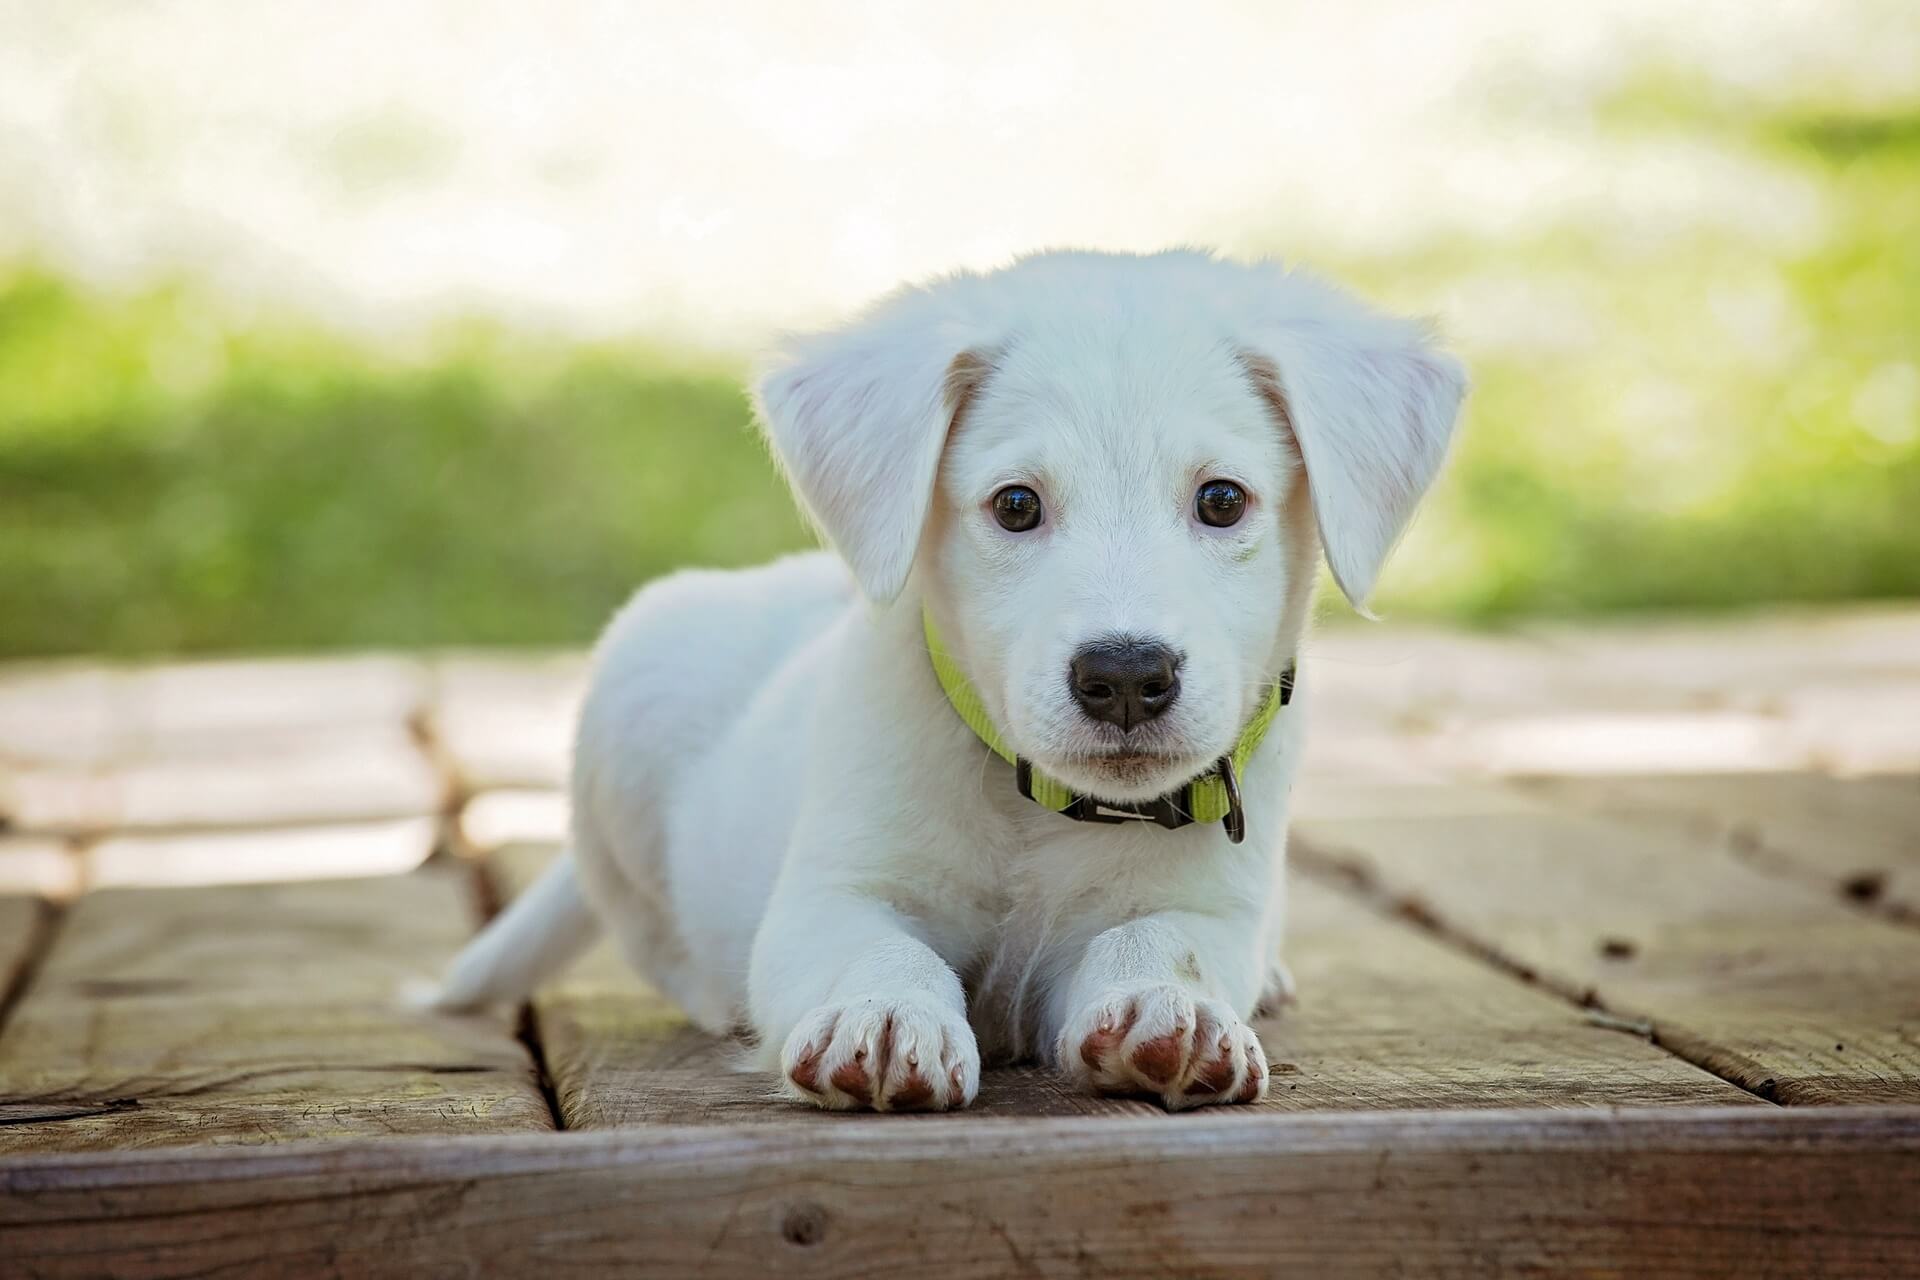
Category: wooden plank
<point>60,712</point>
<point>1855,837</point>
<point>1783,990</point>
<point>495,819</point>
<point>259,854</point>
<point>507,723</point>
<point>39,866</point>
<point>1833,689</point>
<point>1861,726</point>
<point>87,748</point>
<point>359,774</point>
<point>1601,740</point>
<point>1698,1192</point>
<point>1837,690</point>
<point>1326,799</point>
<point>255,1014</point>
<point>177,709</point>
<point>21,921</point>
<point>87,713</point>
<point>1389,1019</point>
<point>1748,661</point>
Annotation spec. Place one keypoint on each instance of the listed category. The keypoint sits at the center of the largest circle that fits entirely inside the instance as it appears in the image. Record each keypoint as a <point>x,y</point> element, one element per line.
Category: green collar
<point>1214,796</point>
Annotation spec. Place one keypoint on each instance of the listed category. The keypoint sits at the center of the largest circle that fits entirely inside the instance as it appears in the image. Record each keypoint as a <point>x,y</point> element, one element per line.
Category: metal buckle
<point>1236,820</point>
<point>1166,811</point>
<point>1162,811</point>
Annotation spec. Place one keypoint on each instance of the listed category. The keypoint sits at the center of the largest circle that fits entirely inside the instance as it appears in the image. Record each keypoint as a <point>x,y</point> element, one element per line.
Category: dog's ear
<point>1370,403</point>
<point>859,418</point>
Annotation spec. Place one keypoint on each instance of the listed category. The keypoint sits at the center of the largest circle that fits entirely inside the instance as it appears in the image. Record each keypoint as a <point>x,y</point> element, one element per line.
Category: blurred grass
<point>167,486</point>
<point>1702,419</point>
<point>1698,418</point>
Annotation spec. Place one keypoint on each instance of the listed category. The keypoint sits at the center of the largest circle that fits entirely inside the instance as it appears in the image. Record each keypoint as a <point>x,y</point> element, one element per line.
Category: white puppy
<point>1096,487</point>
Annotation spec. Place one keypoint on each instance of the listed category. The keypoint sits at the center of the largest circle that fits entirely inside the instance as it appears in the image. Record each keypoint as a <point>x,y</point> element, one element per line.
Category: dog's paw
<point>883,1054</point>
<point>1162,1042</point>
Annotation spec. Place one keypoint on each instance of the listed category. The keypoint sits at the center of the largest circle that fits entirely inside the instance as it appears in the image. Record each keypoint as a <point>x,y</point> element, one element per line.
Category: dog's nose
<point>1125,681</point>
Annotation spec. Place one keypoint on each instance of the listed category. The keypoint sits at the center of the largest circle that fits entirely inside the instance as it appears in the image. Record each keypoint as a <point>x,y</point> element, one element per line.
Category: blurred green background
<point>1665,416</point>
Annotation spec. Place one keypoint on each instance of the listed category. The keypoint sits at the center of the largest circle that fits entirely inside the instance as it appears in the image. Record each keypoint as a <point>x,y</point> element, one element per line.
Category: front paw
<point>882,1054</point>
<point>1163,1042</point>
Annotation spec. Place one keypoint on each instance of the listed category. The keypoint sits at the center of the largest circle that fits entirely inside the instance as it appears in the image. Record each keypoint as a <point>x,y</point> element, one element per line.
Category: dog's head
<point>1109,479</point>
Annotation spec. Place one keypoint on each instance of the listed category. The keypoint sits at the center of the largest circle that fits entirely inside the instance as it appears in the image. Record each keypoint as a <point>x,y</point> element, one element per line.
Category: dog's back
<point>673,675</point>
<point>677,669</point>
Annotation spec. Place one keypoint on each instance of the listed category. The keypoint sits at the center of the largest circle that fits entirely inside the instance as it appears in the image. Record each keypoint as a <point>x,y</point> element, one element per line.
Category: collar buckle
<point>1171,811</point>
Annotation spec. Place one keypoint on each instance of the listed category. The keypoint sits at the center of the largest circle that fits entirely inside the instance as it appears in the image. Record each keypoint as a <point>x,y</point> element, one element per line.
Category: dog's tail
<point>540,933</point>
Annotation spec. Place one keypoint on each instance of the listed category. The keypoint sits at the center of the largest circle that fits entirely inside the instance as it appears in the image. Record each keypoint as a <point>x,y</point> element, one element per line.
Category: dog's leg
<point>1154,1007</point>
<point>867,1015</point>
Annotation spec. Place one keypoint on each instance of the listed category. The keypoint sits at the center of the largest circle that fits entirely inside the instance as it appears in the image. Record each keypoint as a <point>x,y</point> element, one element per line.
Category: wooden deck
<point>1608,943</point>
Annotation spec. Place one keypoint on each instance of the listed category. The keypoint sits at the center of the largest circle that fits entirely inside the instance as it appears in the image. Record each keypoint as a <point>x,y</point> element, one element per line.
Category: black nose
<point>1125,681</point>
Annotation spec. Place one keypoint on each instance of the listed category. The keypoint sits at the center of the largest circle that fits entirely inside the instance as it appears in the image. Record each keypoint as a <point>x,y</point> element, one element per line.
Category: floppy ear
<point>859,418</point>
<point>1371,404</point>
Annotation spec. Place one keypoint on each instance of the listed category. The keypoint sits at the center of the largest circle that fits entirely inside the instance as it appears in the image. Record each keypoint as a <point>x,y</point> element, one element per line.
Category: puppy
<point>1006,777</point>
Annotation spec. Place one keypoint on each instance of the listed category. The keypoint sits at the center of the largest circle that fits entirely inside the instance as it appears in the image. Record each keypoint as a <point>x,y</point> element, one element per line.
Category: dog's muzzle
<point>1213,796</point>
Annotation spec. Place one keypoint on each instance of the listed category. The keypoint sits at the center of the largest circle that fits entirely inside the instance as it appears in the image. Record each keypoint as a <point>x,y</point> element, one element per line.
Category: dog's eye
<point>1017,508</point>
<point>1220,503</point>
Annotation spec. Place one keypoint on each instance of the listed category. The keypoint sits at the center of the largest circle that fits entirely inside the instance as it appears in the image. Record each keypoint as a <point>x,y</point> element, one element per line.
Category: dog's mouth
<point>1128,774</point>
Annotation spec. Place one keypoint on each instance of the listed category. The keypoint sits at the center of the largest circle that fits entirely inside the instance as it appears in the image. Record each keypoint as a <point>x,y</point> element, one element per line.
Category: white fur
<point>787,827</point>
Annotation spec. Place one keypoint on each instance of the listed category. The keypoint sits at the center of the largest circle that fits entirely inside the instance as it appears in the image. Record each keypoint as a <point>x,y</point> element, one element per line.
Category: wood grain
<point>1755,977</point>
<point>1388,1019</point>
<point>87,749</point>
<point>79,713</point>
<point>21,922</point>
<point>507,722</point>
<point>1728,1192</point>
<point>1858,838</point>
<point>39,866</point>
<point>245,855</point>
<point>357,773</point>
<point>255,1014</point>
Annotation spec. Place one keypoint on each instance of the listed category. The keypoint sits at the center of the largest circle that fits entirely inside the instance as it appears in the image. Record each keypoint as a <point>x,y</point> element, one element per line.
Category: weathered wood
<point>78,713</point>
<point>88,750</point>
<point>39,866</point>
<point>494,819</point>
<point>1780,989</point>
<point>1751,661</point>
<point>253,855</point>
<point>1326,799</point>
<point>1831,691</point>
<point>256,1014</point>
<point>1388,1019</point>
<point>1698,1192</point>
<point>1858,838</point>
<point>360,774</point>
<point>21,921</point>
<point>506,723</point>
<point>60,712</point>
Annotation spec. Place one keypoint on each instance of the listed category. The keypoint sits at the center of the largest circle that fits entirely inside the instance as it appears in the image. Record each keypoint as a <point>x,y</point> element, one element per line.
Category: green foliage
<point>1716,416</point>
<point>167,487</point>
<point>1696,419</point>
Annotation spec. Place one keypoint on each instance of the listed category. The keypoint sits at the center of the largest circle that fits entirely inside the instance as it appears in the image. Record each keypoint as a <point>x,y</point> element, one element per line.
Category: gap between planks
<point>1356,881</point>
<point>1394,1020</point>
<point>487,902</point>
<point>1780,825</point>
<point>1761,979</point>
<point>41,931</point>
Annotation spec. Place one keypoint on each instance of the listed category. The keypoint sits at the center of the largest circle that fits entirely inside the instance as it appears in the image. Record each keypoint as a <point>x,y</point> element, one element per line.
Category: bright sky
<point>708,171</point>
